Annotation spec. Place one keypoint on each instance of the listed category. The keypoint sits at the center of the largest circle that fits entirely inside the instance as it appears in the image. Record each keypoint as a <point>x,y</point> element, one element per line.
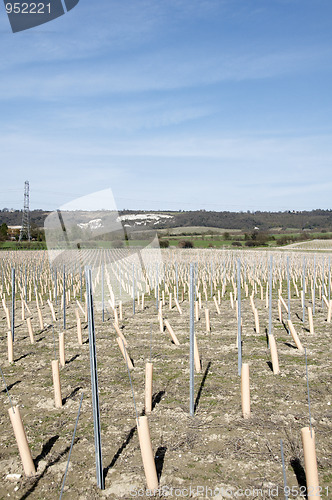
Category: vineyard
<point>226,352</point>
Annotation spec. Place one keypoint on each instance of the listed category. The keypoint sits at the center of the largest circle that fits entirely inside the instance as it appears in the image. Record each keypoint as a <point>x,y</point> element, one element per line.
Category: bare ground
<point>216,448</point>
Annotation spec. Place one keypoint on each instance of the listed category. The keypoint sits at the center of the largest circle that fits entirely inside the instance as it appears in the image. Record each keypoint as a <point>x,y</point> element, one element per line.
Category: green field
<point>199,237</point>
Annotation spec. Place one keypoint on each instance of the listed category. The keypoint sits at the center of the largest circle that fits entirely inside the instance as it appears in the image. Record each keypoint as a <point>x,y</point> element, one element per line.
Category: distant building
<point>14,232</point>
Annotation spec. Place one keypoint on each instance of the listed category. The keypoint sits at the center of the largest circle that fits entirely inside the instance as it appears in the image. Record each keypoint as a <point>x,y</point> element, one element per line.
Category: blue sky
<point>173,104</point>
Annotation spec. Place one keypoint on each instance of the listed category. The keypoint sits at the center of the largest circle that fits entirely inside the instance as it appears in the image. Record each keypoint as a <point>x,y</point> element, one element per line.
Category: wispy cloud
<point>194,97</point>
<point>156,71</point>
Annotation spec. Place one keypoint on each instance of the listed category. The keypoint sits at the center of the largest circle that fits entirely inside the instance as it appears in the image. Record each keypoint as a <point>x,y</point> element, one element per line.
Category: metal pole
<point>157,287</point>
<point>323,280</point>
<point>211,280</point>
<point>314,286</point>
<point>329,279</point>
<point>270,296</point>
<point>133,288</point>
<point>13,302</point>
<point>283,469</point>
<point>288,288</point>
<point>192,341</point>
<point>81,280</point>
<point>94,381</point>
<point>71,446</point>
<point>26,284</point>
<point>177,281</point>
<point>64,297</point>
<point>56,286</point>
<point>102,292</point>
<point>303,288</point>
<point>239,362</point>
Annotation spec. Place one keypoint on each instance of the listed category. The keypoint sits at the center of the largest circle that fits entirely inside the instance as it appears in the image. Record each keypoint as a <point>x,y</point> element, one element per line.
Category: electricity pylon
<point>25,229</point>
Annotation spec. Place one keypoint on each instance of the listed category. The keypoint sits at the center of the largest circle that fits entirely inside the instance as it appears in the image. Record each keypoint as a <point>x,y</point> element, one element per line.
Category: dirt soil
<point>217,450</point>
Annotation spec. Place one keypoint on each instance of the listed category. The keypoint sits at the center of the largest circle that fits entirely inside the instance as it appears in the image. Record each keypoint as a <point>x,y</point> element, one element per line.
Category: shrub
<point>284,240</point>
<point>236,244</point>
<point>164,243</point>
<point>185,244</point>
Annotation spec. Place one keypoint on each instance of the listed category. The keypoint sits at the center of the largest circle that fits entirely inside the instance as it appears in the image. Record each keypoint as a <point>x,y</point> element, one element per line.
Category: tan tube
<point>116,317</point>
<point>279,311</point>
<point>86,310</point>
<point>56,384</point>
<point>245,390</point>
<point>296,290</point>
<point>121,309</point>
<point>274,354</point>
<point>62,349</point>
<point>147,454</point>
<point>79,305</point>
<point>79,330</point>
<point>170,301</point>
<point>197,361</point>
<point>40,317</point>
<point>52,309</point>
<point>311,321</point>
<point>216,304</point>
<point>283,303</point>
<point>177,305</point>
<point>118,331</point>
<point>171,332</point>
<point>160,316</point>
<point>148,387</point>
<point>8,318</point>
<point>32,340</point>
<point>143,302</point>
<point>295,336</point>
<point>326,301</point>
<point>310,462</point>
<point>196,310</point>
<point>231,299</point>
<point>256,321</point>
<point>10,348</point>
<point>22,442</point>
<point>124,353</point>
<point>77,314</point>
<point>23,312</point>
<point>329,312</point>
<point>207,320</point>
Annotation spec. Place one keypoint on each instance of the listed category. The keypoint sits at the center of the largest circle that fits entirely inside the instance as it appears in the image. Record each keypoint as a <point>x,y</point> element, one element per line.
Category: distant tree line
<point>314,220</point>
